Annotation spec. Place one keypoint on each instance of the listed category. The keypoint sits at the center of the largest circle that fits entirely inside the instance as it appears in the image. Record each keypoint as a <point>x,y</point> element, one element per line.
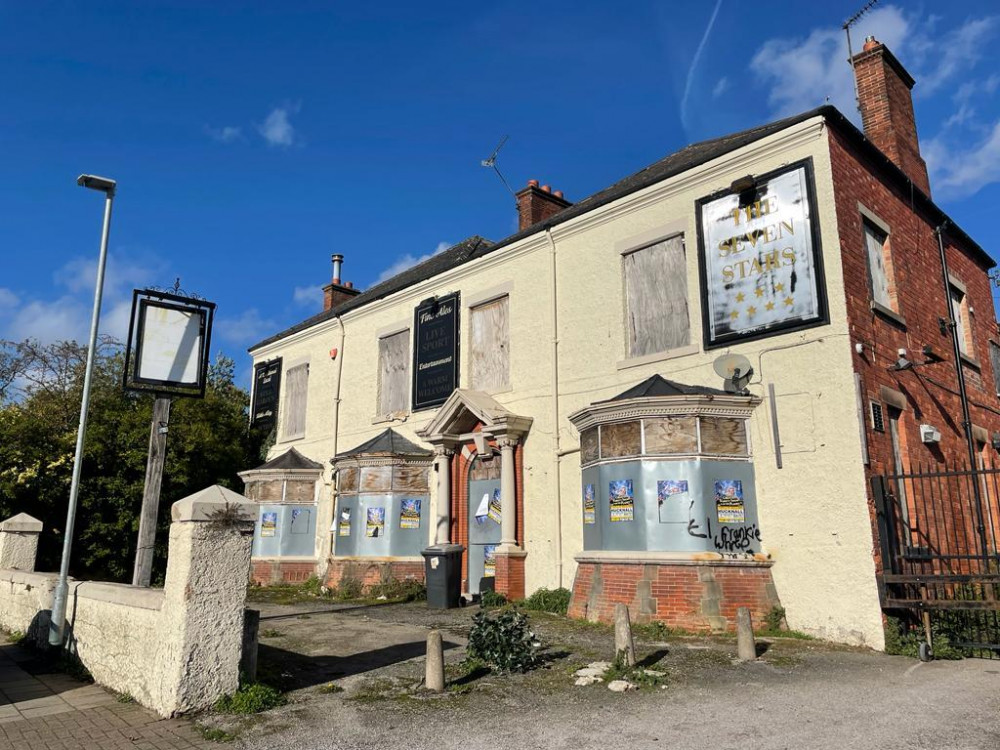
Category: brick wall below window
<point>268,572</point>
<point>372,571</point>
<point>699,596</point>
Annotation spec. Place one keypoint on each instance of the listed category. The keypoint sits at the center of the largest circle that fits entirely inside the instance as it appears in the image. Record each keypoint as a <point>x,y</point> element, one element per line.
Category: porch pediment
<point>465,409</point>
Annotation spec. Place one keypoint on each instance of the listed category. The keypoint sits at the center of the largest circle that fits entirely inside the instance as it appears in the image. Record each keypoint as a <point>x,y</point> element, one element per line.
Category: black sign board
<point>266,386</point>
<point>435,351</point>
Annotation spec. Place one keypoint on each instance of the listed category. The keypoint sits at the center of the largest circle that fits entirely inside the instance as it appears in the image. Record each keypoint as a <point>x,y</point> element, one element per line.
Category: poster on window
<point>589,504</point>
<point>344,525</point>
<point>761,265</point>
<point>268,524</point>
<point>409,513</point>
<point>376,522</point>
<point>489,560</point>
<point>621,500</point>
<point>729,501</point>
<point>672,500</point>
<point>494,509</point>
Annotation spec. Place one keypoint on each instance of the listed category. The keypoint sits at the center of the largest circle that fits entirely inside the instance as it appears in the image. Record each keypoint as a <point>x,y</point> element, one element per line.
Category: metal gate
<point>940,565</point>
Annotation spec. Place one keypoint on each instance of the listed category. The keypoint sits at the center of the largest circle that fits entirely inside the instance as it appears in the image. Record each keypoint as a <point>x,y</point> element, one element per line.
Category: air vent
<point>878,418</point>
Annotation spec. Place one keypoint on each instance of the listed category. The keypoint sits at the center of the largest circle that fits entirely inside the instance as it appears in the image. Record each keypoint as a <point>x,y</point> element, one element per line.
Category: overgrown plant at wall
<point>40,391</point>
<point>555,601</point>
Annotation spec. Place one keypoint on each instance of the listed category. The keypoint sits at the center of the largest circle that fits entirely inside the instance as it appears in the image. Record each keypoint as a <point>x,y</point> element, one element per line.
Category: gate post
<point>885,525</point>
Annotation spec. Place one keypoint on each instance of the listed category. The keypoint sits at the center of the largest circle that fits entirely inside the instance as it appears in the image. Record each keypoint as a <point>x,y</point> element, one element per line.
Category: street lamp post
<point>57,624</point>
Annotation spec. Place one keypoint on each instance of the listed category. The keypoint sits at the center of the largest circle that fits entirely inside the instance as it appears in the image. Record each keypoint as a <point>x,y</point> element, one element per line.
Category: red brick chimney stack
<point>336,292</point>
<point>887,109</point>
<point>535,204</point>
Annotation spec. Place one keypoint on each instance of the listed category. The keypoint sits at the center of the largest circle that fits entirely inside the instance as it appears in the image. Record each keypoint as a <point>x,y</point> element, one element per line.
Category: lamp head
<point>94,182</point>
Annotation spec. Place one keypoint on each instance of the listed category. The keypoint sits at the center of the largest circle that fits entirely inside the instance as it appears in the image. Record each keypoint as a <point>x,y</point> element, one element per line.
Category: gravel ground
<point>799,694</point>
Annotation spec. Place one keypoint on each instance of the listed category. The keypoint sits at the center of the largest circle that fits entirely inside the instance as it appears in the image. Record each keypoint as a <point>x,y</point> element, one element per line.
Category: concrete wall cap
<point>212,502</point>
<point>22,523</point>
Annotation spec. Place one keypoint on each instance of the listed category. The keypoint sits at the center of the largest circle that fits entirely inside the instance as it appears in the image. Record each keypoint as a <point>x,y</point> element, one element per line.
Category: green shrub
<point>251,699</point>
<point>313,585</point>
<point>903,640</point>
<point>491,599</point>
<point>504,643</point>
<point>638,676</point>
<point>349,588</point>
<point>548,600</point>
<point>407,590</point>
<point>774,620</point>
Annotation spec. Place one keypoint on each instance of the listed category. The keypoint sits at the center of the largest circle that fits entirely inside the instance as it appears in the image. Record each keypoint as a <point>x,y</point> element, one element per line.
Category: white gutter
<point>323,532</point>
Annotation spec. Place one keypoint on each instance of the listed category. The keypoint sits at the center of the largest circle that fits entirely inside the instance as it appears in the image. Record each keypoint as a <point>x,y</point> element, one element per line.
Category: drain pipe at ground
<point>556,453</point>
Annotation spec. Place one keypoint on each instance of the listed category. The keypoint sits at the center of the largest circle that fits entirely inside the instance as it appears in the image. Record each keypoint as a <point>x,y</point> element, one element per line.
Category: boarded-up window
<point>960,311</point>
<point>876,244</point>
<point>723,435</point>
<point>995,362</point>
<point>620,439</point>
<point>490,357</point>
<point>296,388</point>
<point>394,374</point>
<point>671,435</point>
<point>656,300</point>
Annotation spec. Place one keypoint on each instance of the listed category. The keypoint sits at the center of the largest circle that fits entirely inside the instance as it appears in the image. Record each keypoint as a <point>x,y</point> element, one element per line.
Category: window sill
<point>648,359</point>
<point>398,417</point>
<point>970,361</point>
<point>889,313</point>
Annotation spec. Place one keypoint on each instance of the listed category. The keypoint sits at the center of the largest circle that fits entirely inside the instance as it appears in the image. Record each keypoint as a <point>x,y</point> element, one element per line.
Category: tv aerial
<point>491,163</point>
<point>736,371</point>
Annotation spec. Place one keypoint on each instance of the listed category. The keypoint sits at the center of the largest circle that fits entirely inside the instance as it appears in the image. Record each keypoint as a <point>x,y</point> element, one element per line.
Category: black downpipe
<point>964,398</point>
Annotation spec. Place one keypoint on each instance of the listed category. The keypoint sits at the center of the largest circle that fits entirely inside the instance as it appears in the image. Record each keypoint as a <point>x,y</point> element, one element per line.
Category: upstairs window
<point>296,388</point>
<point>877,246</point>
<point>960,311</point>
<point>394,375</point>
<point>489,324</point>
<point>656,298</point>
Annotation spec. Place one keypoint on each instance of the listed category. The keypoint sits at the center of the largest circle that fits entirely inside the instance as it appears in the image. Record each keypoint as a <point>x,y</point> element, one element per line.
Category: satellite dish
<point>735,370</point>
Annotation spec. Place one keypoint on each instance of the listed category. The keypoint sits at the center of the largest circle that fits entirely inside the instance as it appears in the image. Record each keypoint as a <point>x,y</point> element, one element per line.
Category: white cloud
<point>957,52</point>
<point>965,96</point>
<point>958,171</point>
<point>124,270</point>
<point>804,73</point>
<point>696,59</point>
<point>247,328</point>
<point>408,261</point>
<point>277,129</point>
<point>308,296</point>
<point>225,134</point>
<point>7,298</point>
<point>721,87</point>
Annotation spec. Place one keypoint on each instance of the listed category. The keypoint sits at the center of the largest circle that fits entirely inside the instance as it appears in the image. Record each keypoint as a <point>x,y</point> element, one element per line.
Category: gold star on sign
<point>769,306</point>
<point>788,301</point>
<point>779,287</point>
<point>759,292</point>
<point>734,314</point>
<point>751,310</point>
<point>739,297</point>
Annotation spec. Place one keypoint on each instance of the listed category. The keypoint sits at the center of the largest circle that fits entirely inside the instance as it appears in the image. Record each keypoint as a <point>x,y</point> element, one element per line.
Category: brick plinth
<point>691,595</point>
<point>268,572</point>
<point>510,574</point>
<point>372,570</point>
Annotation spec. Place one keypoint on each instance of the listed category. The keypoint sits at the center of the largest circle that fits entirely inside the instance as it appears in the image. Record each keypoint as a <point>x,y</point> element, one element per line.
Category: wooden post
<point>151,492</point>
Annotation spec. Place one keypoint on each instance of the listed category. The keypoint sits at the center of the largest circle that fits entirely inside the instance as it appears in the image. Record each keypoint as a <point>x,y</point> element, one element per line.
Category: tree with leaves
<point>40,391</point>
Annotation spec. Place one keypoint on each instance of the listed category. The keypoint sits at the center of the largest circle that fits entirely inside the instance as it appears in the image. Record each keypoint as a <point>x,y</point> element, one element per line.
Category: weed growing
<point>252,698</point>
<point>555,601</point>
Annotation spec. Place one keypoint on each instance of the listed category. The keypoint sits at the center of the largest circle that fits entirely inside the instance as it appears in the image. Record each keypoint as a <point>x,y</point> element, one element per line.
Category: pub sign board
<point>760,257</point>
<point>266,388</point>
<point>435,351</point>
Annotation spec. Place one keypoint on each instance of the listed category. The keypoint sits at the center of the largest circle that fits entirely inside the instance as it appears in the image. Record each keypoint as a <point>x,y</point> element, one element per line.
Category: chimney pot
<point>546,188</point>
<point>532,183</point>
<point>349,284</point>
<point>338,260</point>
<point>871,43</point>
<point>558,194</point>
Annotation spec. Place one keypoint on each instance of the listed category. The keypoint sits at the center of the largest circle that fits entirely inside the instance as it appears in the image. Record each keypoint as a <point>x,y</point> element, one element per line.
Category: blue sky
<point>252,140</point>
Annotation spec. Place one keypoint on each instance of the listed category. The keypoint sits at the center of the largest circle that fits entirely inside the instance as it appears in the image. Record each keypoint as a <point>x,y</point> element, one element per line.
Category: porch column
<point>442,499</point>
<point>508,494</point>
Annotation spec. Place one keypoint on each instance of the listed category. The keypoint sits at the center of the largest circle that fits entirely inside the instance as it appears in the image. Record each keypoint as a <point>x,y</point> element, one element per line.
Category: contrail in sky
<point>695,60</point>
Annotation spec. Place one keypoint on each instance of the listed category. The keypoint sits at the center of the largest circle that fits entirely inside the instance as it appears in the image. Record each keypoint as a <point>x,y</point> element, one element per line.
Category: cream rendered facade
<point>568,337</point>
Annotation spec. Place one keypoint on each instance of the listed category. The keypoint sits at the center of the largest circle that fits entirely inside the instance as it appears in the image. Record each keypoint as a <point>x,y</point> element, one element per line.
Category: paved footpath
<point>49,710</point>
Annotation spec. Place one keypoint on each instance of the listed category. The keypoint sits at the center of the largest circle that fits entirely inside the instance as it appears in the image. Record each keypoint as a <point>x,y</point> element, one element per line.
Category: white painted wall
<point>813,512</point>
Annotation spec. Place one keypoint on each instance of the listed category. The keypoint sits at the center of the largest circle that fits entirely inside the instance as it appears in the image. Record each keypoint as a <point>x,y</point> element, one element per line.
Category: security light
<point>94,182</point>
